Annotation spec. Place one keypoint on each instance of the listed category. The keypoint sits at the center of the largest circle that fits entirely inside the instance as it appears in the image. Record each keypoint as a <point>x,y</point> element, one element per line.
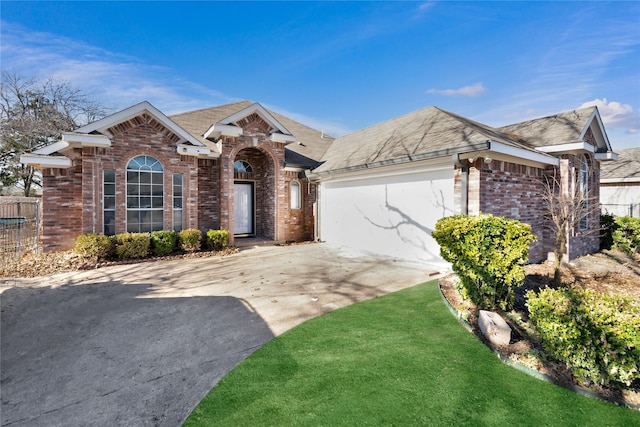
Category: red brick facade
<point>73,200</point>
<point>516,191</point>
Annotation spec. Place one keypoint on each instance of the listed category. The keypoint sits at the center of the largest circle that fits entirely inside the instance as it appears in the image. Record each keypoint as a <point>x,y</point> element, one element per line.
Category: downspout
<point>464,182</point>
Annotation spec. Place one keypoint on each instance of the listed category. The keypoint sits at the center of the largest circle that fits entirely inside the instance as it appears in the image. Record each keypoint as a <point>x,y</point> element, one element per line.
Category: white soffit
<point>200,152</point>
<point>279,137</point>
<point>44,161</point>
<point>572,147</point>
<point>604,157</point>
<point>219,129</point>
<point>52,148</point>
<point>86,140</point>
<point>530,157</point>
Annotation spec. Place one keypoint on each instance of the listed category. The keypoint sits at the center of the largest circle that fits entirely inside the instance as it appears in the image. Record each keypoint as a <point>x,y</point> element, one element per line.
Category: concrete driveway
<point>141,344</point>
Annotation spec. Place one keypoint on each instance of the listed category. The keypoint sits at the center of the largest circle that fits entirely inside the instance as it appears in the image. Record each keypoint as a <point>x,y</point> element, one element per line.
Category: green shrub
<point>596,335</point>
<point>96,246</point>
<point>217,239</point>
<point>626,236</point>
<point>189,240</point>
<point>163,242</point>
<point>607,227</point>
<point>487,253</point>
<point>132,245</point>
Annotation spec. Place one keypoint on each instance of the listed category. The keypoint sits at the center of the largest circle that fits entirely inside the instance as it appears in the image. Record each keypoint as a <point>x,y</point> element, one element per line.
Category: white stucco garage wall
<point>390,212</point>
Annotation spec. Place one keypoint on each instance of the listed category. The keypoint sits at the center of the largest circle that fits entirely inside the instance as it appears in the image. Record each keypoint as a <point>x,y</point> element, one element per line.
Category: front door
<point>243,208</point>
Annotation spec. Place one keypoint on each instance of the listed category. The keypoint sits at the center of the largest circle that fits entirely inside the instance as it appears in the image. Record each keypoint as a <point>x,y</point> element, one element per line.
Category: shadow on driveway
<point>104,354</point>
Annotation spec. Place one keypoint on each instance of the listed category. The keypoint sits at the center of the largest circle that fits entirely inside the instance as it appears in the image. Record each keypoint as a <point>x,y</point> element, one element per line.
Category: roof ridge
<point>212,107</point>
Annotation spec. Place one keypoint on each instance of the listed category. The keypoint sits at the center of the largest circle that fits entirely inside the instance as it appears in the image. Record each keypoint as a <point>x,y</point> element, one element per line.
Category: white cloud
<point>616,115</point>
<point>471,90</point>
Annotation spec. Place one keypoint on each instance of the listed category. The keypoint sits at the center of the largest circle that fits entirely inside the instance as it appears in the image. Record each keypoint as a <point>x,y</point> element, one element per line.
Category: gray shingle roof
<point>307,154</point>
<point>558,129</point>
<point>429,132</point>
<point>627,165</point>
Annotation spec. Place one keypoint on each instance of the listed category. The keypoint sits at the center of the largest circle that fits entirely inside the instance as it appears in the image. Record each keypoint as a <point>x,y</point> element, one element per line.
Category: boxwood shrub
<point>189,239</point>
<point>96,246</point>
<point>163,242</point>
<point>487,253</point>
<point>217,239</point>
<point>132,245</point>
<point>597,335</point>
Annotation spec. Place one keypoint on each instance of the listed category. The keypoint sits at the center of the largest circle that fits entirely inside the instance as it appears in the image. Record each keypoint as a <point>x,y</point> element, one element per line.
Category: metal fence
<point>19,226</point>
<point>627,209</point>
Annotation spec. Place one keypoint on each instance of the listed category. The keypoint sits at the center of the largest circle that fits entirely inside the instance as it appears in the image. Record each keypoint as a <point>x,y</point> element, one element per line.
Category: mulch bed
<point>609,271</point>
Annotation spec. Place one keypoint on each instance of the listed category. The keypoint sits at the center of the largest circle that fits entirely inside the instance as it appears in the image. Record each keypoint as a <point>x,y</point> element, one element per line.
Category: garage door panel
<point>391,215</point>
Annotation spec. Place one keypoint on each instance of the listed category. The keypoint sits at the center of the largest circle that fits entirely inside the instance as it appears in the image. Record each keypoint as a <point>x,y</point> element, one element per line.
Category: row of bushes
<point>488,253</point>
<point>621,232</point>
<point>597,335</point>
<point>140,245</point>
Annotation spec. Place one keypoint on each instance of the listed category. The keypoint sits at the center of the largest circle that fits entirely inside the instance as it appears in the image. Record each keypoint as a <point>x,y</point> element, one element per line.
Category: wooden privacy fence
<point>19,226</point>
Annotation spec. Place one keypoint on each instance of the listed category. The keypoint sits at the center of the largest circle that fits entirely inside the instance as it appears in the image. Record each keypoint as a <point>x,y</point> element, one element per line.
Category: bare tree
<point>570,209</point>
<point>34,113</point>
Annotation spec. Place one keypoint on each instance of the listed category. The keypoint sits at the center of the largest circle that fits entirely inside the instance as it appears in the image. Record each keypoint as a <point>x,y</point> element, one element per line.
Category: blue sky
<point>341,66</point>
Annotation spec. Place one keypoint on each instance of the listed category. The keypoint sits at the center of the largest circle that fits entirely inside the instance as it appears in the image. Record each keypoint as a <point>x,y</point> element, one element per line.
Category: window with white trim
<point>242,166</point>
<point>295,195</point>
<point>109,202</point>
<point>177,201</point>
<point>145,195</point>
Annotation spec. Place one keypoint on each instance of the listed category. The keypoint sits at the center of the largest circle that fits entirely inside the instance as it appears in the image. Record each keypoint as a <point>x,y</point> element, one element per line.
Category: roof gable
<point>103,125</point>
<point>577,126</point>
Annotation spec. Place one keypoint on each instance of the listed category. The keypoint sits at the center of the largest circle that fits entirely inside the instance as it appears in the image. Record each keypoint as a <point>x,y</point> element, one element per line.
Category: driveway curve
<point>141,344</point>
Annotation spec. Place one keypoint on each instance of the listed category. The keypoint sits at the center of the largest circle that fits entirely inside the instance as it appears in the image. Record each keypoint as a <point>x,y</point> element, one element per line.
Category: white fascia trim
<point>52,148</point>
<point>44,161</point>
<point>135,110</point>
<point>262,112</point>
<point>292,169</point>
<point>201,152</point>
<point>86,140</point>
<point>429,165</point>
<point>603,157</point>
<point>616,180</point>
<point>219,129</point>
<point>532,156</point>
<point>596,115</point>
<point>567,148</point>
<point>280,137</point>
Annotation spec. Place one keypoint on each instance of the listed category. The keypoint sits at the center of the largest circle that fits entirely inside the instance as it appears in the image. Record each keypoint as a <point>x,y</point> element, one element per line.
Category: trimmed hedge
<point>163,242</point>
<point>487,253</point>
<point>217,239</point>
<point>189,239</point>
<point>96,246</point>
<point>626,235</point>
<point>597,335</point>
<point>132,245</point>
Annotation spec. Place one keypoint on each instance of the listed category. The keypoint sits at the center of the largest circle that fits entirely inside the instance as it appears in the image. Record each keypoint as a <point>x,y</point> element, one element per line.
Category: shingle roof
<point>627,165</point>
<point>429,132</point>
<point>558,129</point>
<point>307,152</point>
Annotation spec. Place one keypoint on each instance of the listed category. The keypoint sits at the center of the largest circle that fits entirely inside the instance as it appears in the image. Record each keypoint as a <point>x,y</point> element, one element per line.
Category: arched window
<point>583,182</point>
<point>242,166</point>
<point>295,195</point>
<point>145,195</point>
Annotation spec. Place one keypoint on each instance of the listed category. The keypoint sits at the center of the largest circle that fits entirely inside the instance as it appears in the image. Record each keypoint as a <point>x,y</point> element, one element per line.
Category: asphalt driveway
<point>141,344</point>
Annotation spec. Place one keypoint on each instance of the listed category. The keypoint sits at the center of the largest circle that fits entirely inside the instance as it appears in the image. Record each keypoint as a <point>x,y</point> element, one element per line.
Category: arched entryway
<point>254,208</point>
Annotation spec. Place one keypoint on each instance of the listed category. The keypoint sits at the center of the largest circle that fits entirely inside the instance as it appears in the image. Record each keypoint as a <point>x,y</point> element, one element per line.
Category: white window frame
<point>104,200</point>
<point>295,199</point>
<point>152,166</point>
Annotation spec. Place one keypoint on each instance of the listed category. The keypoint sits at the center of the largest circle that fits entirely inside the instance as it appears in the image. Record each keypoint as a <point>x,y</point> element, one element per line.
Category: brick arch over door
<point>262,182</point>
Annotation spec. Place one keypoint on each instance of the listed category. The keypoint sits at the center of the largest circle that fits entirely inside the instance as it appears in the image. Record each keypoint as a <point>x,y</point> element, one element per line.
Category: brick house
<point>254,172</point>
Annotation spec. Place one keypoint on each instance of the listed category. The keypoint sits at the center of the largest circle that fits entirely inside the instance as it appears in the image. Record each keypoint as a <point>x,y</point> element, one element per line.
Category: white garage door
<point>390,215</point>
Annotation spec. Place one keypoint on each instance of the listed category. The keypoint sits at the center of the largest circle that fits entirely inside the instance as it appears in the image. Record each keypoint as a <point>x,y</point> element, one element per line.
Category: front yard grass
<point>401,359</point>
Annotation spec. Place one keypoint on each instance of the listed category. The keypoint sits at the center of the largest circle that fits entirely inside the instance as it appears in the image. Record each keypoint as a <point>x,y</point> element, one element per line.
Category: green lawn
<point>401,359</point>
